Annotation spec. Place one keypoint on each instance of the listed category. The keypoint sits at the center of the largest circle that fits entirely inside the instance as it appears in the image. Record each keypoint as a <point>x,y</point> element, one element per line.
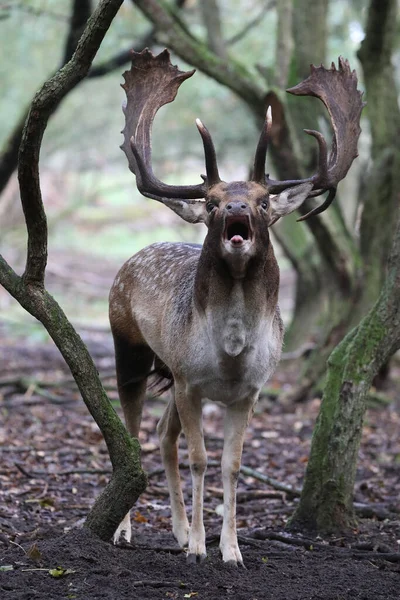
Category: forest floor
<point>54,464</point>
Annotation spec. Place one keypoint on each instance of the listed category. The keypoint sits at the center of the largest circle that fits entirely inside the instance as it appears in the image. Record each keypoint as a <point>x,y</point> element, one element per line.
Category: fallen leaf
<point>60,572</point>
<point>34,553</point>
<point>139,518</point>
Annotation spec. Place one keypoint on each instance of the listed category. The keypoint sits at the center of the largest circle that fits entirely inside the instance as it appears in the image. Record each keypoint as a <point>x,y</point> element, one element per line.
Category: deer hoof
<point>124,531</point>
<point>181,535</point>
<point>195,559</point>
<point>234,564</point>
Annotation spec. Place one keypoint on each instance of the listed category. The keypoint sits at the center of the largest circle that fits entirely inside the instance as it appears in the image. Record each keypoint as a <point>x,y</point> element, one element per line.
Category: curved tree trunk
<point>128,480</point>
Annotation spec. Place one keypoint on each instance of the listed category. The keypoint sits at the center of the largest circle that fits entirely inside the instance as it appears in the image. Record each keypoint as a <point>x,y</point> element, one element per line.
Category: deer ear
<point>289,200</point>
<point>192,212</point>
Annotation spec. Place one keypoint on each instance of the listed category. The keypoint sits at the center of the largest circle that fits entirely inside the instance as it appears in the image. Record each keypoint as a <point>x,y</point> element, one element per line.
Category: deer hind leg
<point>169,429</point>
<point>133,363</point>
<point>190,414</point>
<point>237,417</point>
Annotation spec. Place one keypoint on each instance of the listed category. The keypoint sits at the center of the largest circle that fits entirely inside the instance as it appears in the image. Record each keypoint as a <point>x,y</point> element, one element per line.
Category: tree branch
<point>251,24</point>
<point>212,21</point>
<point>123,57</point>
<point>171,32</point>
<point>81,11</point>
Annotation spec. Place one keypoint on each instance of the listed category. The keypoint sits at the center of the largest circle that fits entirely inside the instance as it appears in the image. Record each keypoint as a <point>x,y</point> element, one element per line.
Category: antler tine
<point>262,147</point>
<point>151,82</point>
<point>337,89</point>
<point>319,209</point>
<point>209,153</point>
<point>322,173</point>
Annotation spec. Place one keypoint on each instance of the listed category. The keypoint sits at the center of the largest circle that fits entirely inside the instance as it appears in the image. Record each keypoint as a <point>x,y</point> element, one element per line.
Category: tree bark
<point>128,480</point>
<point>383,186</point>
<point>284,43</point>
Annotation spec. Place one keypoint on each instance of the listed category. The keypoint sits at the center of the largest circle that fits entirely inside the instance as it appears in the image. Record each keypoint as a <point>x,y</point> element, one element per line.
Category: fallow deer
<point>207,317</point>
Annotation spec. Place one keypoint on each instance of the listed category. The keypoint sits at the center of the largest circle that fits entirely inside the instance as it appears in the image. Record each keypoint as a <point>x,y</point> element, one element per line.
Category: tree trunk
<point>128,480</point>
<point>326,503</point>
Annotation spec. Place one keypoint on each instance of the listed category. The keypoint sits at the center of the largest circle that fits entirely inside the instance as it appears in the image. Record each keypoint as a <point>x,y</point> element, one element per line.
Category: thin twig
<point>277,485</point>
<point>23,470</point>
<point>251,24</point>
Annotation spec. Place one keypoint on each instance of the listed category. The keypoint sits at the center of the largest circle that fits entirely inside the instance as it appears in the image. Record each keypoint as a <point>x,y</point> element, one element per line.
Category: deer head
<point>153,81</point>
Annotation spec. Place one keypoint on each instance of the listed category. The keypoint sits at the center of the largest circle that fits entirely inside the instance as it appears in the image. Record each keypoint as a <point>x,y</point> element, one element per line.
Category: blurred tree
<point>80,13</point>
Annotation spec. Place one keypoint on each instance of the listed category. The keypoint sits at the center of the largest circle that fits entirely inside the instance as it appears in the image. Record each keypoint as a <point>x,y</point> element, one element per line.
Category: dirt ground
<point>54,464</point>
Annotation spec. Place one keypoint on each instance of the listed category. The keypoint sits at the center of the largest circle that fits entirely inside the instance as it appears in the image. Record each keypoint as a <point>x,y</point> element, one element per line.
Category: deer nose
<point>237,208</point>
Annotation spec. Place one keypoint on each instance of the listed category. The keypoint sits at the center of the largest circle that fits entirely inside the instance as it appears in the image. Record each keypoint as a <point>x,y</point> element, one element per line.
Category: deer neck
<point>235,308</point>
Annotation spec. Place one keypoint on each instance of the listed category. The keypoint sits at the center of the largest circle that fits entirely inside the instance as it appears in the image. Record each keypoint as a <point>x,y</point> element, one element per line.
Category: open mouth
<point>237,230</point>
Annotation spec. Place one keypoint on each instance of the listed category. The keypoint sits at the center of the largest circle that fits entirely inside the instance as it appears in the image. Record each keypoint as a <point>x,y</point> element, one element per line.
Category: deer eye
<point>264,204</point>
<point>210,206</point>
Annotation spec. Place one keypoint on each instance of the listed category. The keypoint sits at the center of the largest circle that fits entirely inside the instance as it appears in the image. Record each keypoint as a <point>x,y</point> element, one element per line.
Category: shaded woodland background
<point>333,268</point>
<point>88,192</point>
<point>338,259</point>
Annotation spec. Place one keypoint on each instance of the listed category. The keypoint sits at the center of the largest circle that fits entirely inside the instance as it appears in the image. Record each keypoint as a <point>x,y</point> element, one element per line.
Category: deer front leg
<point>190,414</point>
<point>236,420</point>
<point>168,430</point>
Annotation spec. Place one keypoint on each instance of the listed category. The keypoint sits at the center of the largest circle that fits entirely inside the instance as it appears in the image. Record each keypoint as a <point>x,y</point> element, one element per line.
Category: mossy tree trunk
<point>128,480</point>
<point>326,503</point>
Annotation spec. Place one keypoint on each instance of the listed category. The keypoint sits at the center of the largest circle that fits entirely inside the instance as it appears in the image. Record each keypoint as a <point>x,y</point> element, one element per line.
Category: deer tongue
<point>236,239</point>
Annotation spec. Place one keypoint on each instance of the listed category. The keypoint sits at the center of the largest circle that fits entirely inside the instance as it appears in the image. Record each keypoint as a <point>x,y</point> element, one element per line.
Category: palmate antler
<point>337,88</point>
<point>153,81</point>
